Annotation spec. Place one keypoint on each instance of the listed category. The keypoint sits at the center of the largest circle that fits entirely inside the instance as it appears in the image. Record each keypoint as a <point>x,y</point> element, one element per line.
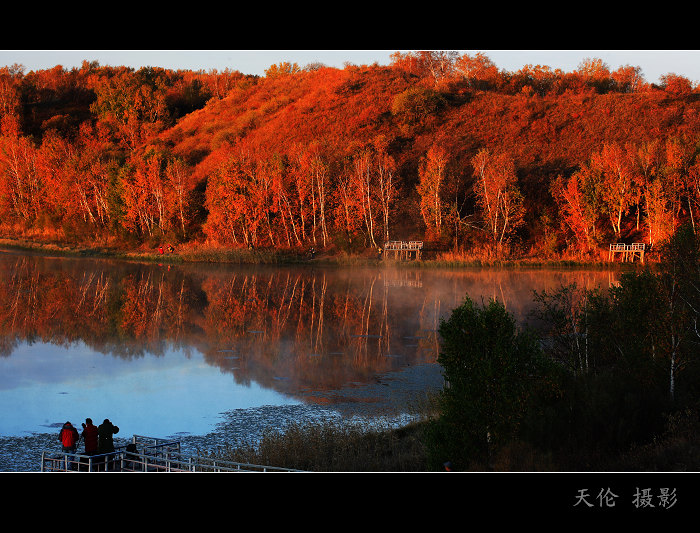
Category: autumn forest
<point>437,146</point>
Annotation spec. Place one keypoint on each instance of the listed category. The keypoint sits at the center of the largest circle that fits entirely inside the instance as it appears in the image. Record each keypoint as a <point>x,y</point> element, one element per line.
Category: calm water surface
<point>191,351</point>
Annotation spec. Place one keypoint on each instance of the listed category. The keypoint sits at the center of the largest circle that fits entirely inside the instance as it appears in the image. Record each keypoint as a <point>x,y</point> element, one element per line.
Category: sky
<point>653,63</point>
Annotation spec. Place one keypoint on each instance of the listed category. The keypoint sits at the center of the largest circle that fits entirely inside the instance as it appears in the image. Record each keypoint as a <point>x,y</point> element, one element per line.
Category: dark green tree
<point>630,354</point>
<point>647,324</point>
<point>679,324</point>
<point>493,370</point>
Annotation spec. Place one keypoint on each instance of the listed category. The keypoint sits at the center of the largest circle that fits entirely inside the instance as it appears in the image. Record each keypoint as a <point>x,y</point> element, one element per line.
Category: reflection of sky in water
<point>43,385</point>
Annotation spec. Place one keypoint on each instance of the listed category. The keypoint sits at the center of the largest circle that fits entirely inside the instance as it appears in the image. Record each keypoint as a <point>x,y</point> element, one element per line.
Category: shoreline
<point>207,254</point>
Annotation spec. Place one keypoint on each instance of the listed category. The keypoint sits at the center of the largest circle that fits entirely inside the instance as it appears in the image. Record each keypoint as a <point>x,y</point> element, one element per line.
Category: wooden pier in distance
<point>628,251</point>
<point>404,249</point>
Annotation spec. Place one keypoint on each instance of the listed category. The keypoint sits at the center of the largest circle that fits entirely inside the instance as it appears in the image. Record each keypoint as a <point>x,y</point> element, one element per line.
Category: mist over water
<point>197,350</point>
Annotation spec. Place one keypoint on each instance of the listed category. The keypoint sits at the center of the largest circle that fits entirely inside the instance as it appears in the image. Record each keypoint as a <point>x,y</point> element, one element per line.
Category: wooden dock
<point>628,252</point>
<point>404,249</point>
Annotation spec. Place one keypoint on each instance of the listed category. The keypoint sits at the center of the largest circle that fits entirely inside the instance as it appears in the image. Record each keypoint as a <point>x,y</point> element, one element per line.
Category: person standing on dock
<point>90,437</point>
<point>105,442</point>
<point>69,438</point>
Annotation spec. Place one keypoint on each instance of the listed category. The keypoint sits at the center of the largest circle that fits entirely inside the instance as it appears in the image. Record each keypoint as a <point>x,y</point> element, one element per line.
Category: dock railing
<point>148,454</point>
<point>177,462</point>
<point>404,249</point>
<point>628,251</point>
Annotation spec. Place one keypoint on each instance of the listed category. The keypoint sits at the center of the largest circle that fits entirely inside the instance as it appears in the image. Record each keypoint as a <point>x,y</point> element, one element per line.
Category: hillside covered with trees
<point>436,146</point>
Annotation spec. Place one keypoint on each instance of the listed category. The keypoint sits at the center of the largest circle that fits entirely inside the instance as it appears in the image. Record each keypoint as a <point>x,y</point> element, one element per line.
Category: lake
<point>211,354</point>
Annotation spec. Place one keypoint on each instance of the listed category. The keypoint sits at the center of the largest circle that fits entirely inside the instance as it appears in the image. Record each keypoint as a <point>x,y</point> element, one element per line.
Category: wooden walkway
<point>146,454</point>
<point>403,249</point>
<point>628,252</point>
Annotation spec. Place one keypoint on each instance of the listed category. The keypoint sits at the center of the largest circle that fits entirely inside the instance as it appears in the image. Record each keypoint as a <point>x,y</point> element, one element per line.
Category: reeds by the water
<point>335,446</point>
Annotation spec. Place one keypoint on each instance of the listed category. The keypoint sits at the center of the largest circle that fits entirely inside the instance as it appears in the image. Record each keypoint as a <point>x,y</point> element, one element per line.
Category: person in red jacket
<point>90,437</point>
<point>69,438</point>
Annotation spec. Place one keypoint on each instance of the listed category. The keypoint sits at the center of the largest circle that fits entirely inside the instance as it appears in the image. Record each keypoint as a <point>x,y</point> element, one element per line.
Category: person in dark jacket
<point>89,437</point>
<point>105,442</point>
<point>69,438</point>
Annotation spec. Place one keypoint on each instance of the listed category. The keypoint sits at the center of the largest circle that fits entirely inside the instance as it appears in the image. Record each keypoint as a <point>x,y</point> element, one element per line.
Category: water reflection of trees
<point>119,309</point>
<point>310,330</point>
<point>291,329</point>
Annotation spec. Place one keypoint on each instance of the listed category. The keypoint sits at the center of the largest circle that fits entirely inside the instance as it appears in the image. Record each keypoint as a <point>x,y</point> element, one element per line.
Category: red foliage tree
<point>614,165</point>
<point>433,173</point>
<point>575,212</point>
<point>498,195</point>
<point>20,182</point>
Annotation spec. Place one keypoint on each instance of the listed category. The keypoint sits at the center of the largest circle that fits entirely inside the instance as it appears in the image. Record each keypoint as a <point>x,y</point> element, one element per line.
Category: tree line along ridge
<point>436,146</point>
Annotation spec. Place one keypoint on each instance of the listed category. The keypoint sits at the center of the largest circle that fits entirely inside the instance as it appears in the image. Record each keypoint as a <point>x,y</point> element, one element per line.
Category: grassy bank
<point>335,447</point>
<point>199,253</point>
